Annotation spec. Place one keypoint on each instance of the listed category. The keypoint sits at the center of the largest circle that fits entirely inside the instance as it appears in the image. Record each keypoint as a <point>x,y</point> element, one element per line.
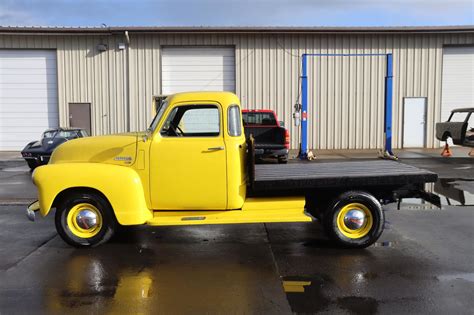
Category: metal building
<point>104,79</point>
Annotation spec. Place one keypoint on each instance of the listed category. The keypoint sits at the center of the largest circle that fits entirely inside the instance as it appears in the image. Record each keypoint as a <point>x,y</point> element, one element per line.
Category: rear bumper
<point>275,153</point>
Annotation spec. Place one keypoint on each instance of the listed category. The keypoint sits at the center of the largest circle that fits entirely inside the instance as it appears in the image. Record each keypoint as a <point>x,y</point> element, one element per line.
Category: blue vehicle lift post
<point>387,106</point>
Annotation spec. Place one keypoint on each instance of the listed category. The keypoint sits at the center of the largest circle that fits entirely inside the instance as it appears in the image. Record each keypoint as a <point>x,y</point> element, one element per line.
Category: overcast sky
<point>236,12</point>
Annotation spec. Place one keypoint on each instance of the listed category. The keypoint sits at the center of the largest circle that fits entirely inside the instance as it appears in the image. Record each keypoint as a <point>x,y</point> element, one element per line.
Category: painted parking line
<point>295,286</point>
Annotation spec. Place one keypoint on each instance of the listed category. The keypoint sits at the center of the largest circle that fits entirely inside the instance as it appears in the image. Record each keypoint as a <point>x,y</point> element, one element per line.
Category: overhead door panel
<point>198,69</point>
<point>458,79</point>
<point>28,96</point>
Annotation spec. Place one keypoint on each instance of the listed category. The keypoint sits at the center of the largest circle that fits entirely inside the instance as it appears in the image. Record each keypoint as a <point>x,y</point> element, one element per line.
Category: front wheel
<point>354,219</point>
<point>85,220</point>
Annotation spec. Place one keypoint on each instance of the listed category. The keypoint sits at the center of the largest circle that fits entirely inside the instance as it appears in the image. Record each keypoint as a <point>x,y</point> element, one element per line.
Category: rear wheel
<point>355,219</point>
<point>85,219</point>
<point>282,159</point>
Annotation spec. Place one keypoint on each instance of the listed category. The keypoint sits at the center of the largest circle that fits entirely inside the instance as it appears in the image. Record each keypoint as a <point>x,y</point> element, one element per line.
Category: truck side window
<point>192,121</point>
<point>234,123</point>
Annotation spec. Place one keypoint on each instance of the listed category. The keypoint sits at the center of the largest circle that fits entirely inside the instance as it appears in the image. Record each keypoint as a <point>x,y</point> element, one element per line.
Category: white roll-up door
<point>197,69</point>
<point>28,96</point>
<point>458,79</point>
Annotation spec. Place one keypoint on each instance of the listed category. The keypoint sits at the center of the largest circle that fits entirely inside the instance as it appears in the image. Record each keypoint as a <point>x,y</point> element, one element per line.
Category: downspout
<point>127,79</point>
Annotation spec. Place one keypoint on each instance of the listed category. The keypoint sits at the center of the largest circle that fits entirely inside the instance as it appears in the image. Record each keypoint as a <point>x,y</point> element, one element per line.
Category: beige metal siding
<point>85,75</point>
<point>346,94</point>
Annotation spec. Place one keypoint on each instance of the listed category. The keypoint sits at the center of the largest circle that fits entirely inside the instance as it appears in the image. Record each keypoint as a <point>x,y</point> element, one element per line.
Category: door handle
<point>215,148</point>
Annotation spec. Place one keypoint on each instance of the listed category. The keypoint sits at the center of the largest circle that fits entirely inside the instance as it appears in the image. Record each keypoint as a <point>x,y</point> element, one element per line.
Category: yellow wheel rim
<point>77,224</point>
<point>354,220</point>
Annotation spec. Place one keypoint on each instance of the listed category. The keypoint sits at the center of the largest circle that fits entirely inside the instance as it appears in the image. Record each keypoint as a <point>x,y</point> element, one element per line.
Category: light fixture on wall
<point>102,47</point>
<point>121,46</point>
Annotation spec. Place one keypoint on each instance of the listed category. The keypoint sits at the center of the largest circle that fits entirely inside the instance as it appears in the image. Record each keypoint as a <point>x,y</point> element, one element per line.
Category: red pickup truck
<point>272,140</point>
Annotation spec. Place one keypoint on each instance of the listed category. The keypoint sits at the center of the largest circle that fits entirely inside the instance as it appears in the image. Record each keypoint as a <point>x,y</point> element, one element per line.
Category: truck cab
<point>192,166</point>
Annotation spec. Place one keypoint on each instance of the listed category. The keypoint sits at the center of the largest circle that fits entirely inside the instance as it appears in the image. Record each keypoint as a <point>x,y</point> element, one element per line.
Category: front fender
<point>120,185</point>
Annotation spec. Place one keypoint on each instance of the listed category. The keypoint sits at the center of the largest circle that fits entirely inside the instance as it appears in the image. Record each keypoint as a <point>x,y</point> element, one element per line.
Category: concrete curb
<point>16,202</point>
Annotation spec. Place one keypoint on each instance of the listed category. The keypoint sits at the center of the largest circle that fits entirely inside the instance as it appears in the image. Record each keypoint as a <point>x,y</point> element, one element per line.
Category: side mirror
<point>282,123</point>
<point>147,135</point>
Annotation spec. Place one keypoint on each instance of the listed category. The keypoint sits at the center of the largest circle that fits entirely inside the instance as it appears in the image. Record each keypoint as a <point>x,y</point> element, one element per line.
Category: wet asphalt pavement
<point>423,263</point>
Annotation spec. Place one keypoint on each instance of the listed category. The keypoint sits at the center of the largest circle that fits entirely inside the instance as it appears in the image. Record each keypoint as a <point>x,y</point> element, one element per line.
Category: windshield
<point>60,134</point>
<point>158,115</point>
<point>459,117</point>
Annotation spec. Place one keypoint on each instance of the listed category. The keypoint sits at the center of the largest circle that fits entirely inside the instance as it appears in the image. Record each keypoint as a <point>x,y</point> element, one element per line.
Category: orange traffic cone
<point>446,151</point>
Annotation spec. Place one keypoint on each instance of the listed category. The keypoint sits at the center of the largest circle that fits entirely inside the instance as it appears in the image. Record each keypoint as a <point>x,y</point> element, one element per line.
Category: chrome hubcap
<point>86,219</point>
<point>354,219</point>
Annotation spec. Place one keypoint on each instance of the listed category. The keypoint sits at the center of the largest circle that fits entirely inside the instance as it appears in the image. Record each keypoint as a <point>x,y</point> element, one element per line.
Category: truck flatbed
<point>310,175</point>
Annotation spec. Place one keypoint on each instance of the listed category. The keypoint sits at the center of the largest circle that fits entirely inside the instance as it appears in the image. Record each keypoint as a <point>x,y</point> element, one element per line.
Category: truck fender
<point>121,186</point>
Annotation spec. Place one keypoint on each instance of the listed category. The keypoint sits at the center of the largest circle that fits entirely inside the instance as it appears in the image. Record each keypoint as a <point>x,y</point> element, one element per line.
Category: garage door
<point>28,96</point>
<point>197,69</point>
<point>458,79</point>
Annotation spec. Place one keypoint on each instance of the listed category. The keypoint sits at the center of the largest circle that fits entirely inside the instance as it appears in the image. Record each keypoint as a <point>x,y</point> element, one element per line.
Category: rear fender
<point>455,130</point>
<point>120,185</point>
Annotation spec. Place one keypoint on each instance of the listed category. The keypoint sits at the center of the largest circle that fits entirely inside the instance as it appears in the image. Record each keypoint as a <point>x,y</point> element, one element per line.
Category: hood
<point>119,149</point>
<point>48,144</point>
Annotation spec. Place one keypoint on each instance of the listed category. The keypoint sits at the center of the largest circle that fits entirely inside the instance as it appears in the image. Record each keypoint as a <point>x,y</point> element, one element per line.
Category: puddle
<point>358,304</point>
<point>306,295</point>
<point>309,295</point>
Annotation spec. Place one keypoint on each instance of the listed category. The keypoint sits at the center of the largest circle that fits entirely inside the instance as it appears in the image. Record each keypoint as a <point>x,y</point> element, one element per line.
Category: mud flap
<point>431,198</point>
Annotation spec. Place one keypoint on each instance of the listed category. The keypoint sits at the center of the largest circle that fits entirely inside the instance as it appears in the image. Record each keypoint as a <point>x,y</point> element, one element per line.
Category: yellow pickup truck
<point>194,166</point>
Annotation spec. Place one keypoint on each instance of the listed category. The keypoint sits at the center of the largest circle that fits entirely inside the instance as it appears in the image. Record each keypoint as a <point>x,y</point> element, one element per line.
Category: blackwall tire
<point>71,233</point>
<point>339,212</point>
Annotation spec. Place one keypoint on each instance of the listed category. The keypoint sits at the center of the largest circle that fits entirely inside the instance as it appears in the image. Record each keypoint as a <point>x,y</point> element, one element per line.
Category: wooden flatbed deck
<point>309,175</point>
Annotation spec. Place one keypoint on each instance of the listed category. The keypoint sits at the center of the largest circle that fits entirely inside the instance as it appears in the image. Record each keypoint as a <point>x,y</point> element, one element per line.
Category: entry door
<point>80,116</point>
<point>188,160</point>
<point>414,122</point>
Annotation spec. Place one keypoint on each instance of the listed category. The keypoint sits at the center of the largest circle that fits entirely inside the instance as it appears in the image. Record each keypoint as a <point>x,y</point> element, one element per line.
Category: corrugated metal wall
<point>346,93</point>
<point>86,75</point>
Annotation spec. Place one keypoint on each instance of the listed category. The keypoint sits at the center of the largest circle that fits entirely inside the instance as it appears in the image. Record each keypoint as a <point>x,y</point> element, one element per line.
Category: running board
<point>255,210</point>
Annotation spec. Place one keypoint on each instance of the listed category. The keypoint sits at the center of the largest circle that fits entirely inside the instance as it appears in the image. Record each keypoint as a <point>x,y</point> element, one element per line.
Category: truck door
<point>188,160</point>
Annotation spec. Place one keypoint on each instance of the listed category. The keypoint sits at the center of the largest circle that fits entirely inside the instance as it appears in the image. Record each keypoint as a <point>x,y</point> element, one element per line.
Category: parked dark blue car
<point>37,153</point>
